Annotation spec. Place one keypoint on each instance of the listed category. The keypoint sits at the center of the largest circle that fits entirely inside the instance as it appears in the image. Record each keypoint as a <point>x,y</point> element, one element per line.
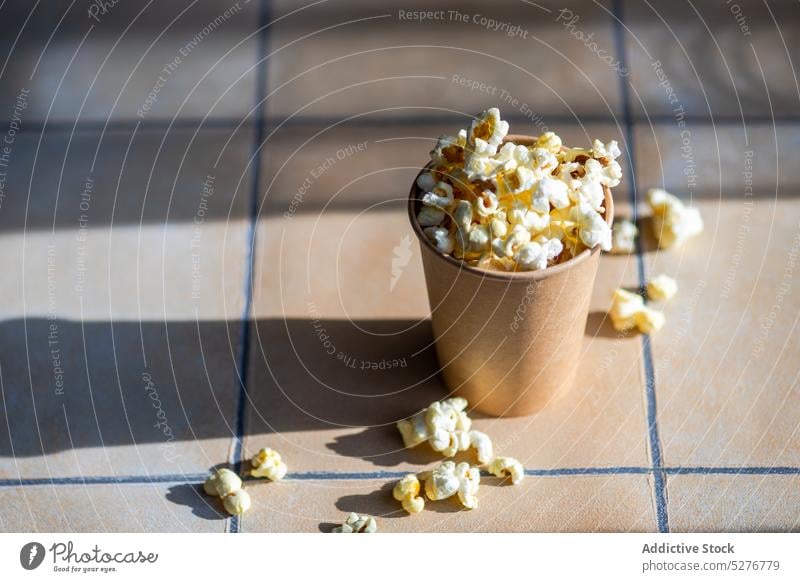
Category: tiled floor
<point>167,274</point>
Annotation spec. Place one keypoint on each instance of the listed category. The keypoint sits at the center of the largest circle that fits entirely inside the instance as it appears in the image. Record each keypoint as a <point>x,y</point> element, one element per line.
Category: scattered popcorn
<point>237,502</point>
<point>507,467</point>
<point>357,524</point>
<point>227,485</point>
<point>661,288</point>
<point>650,320</point>
<point>444,425</point>
<point>268,463</point>
<point>482,445</point>
<point>449,479</point>
<point>673,221</point>
<point>623,239</point>
<point>221,483</point>
<point>469,481</point>
<point>511,207</point>
<point>628,311</point>
<point>407,493</point>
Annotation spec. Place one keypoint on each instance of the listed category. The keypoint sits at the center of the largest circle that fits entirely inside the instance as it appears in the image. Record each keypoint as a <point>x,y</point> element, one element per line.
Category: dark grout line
<point>106,480</point>
<point>588,471</point>
<point>187,123</point>
<point>659,475</point>
<point>198,478</point>
<point>244,359</point>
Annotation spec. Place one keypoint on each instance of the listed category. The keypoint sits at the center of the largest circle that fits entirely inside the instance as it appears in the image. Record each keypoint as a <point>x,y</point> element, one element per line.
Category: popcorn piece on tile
<point>628,311</point>
<point>443,424</point>
<point>222,482</point>
<point>469,481</point>
<point>442,482</point>
<point>507,467</point>
<point>625,307</point>
<point>414,430</point>
<point>268,463</point>
<point>449,479</point>
<point>673,221</point>
<point>650,320</point>
<point>661,288</point>
<point>357,524</point>
<point>237,502</point>
<point>482,444</point>
<point>407,492</point>
<point>624,237</point>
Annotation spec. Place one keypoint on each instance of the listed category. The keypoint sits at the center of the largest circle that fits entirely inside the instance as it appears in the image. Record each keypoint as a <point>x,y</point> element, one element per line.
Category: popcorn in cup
<point>511,228</point>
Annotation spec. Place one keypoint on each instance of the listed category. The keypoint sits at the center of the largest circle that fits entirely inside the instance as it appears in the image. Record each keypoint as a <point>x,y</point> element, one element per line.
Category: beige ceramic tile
<point>539,504</point>
<point>99,399</point>
<point>734,503</point>
<point>153,227</point>
<point>187,58</point>
<point>720,161</point>
<point>725,363</point>
<point>108,508</point>
<point>159,257</point>
<point>344,59</point>
<point>729,60</point>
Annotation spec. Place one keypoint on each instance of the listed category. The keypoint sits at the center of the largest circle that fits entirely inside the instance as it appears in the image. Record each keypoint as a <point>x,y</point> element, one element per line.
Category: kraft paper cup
<point>509,342</point>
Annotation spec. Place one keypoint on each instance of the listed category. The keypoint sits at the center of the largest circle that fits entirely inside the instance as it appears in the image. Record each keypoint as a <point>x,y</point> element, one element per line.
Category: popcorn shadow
<point>362,445</point>
<point>193,496</point>
<point>598,324</point>
<point>381,504</point>
<point>647,241</point>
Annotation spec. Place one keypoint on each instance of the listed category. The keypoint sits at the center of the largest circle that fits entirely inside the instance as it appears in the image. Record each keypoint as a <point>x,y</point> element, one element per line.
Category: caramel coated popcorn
<point>512,207</point>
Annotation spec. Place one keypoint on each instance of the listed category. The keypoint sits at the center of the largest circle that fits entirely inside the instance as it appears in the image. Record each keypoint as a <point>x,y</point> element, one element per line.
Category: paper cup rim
<point>539,275</point>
